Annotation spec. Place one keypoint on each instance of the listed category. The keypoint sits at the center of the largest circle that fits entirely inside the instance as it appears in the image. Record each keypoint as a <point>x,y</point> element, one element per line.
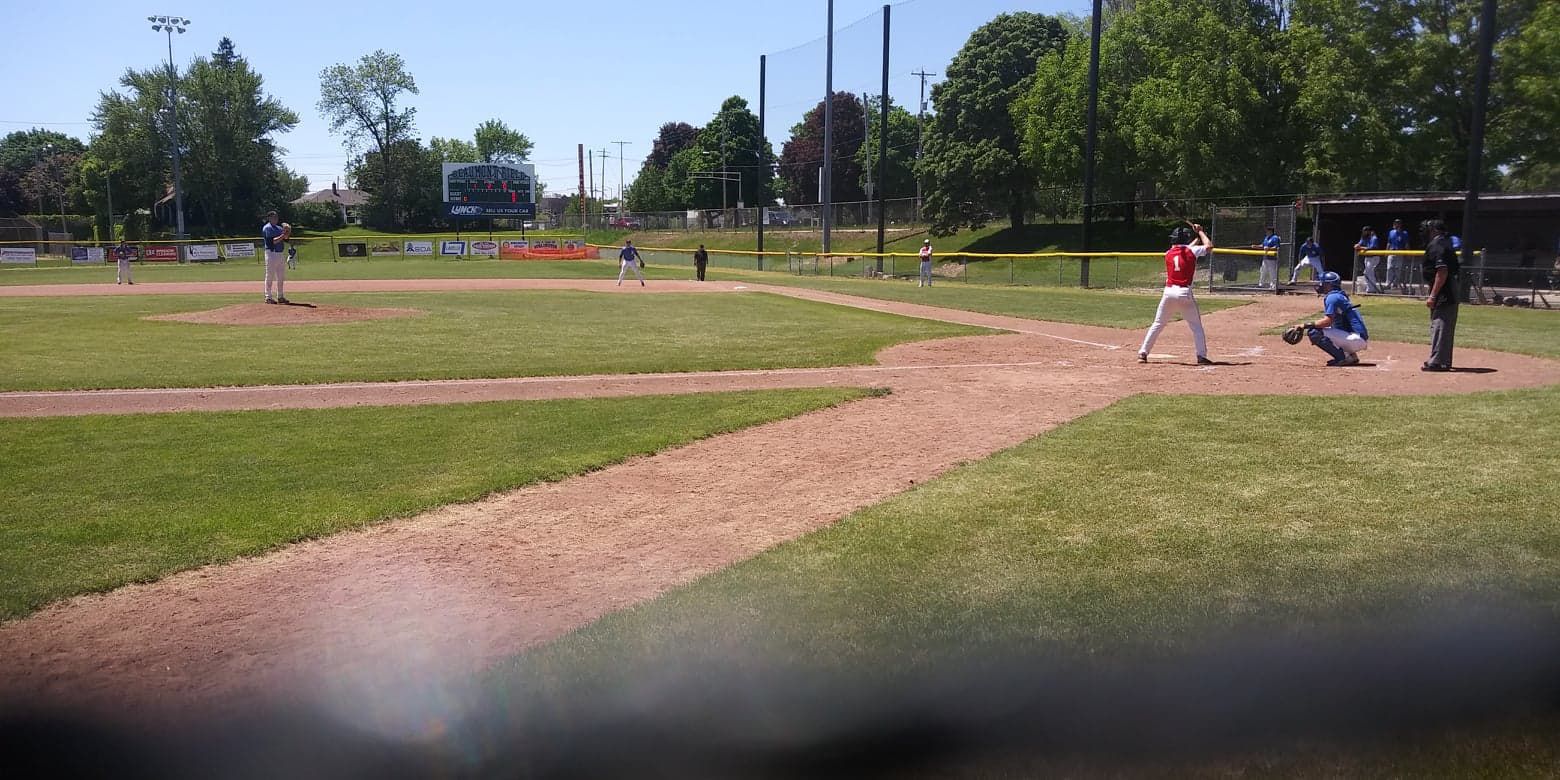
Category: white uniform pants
<point>124,270</point>
<point>1268,276</point>
<point>1177,300</point>
<point>624,265</point>
<point>1316,268</point>
<point>1348,342</point>
<point>275,273</point>
<point>1372,285</point>
<point>926,274</point>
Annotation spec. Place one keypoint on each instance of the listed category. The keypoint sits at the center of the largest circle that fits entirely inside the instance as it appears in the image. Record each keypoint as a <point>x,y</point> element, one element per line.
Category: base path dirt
<point>345,622</point>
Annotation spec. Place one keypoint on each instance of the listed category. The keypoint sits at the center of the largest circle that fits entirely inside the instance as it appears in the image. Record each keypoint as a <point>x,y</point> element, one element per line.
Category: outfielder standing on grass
<point>122,255</point>
<point>701,259</point>
<point>274,234</point>
<point>926,264</point>
<point>1180,268</point>
<point>1341,331</point>
<point>628,257</point>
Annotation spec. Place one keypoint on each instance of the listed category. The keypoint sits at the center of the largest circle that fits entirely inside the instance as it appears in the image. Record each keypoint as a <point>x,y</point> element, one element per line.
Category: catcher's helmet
<point>1181,235</point>
<point>1330,277</point>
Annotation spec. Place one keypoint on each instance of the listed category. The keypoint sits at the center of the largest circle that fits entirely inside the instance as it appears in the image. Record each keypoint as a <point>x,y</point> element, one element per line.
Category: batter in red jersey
<point>1180,267</point>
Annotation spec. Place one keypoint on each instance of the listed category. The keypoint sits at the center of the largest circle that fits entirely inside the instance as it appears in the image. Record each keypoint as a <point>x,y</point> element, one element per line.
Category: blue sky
<point>563,73</point>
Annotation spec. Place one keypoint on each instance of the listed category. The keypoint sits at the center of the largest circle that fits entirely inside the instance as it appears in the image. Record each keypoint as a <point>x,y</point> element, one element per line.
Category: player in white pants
<point>274,235</point>
<point>1180,267</point>
<point>628,257</point>
<point>925,280</point>
<point>1341,331</point>
<point>122,254</point>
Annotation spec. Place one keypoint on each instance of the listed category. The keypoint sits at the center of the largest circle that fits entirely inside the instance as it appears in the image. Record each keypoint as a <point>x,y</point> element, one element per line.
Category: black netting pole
<point>883,145</point>
<point>1091,131</point>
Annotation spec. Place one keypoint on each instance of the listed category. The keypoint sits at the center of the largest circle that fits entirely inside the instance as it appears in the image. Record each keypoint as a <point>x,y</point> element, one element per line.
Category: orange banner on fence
<point>546,249</point>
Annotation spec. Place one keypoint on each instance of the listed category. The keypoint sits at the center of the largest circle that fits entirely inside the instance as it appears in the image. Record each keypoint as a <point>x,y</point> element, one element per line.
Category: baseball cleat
<point>283,300</point>
<point>1142,357</point>
<point>270,300</point>
<point>1203,361</point>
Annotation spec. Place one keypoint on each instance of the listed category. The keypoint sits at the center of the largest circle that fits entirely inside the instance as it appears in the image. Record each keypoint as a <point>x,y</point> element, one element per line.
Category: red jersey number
<point>1180,266</point>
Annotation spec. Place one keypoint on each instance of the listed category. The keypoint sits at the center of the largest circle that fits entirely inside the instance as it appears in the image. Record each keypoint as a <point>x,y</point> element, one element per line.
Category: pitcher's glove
<point>1294,335</point>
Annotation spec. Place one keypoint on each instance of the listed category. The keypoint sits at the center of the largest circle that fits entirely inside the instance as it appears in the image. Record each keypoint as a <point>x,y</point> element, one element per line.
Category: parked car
<point>779,217</point>
<point>626,223</point>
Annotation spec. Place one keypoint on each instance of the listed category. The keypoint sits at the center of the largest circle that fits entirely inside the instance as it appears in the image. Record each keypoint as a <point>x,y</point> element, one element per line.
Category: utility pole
<point>621,186</point>
<point>826,178</point>
<point>920,116</point>
<point>603,177</point>
<point>583,201</point>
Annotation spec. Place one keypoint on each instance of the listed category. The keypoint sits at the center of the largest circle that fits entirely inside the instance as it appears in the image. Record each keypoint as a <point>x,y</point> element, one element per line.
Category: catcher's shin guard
<point>1325,344</point>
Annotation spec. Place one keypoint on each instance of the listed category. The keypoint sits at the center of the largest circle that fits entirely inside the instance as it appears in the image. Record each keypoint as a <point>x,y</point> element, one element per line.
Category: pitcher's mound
<point>284,314</point>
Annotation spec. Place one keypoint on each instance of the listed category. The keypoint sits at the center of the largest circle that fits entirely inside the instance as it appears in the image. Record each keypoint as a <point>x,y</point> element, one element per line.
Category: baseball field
<point>475,513</point>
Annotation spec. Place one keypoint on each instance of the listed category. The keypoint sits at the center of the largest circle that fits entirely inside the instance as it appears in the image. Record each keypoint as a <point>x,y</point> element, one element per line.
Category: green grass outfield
<point>91,503</point>
<point>103,342</point>
<point>1148,526</point>
<point>1084,307</point>
<point>1528,331</point>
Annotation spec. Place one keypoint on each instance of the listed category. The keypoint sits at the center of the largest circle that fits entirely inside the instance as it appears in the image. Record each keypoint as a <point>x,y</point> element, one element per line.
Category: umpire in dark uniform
<point>701,259</point>
<point>1441,276</point>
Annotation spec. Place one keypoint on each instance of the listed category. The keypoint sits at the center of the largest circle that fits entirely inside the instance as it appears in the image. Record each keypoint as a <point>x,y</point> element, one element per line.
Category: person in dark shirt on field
<point>701,259</point>
<point>1441,268</point>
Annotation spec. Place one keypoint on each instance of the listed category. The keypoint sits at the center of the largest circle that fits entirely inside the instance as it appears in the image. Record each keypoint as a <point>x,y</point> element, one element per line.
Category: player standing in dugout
<point>1180,268</point>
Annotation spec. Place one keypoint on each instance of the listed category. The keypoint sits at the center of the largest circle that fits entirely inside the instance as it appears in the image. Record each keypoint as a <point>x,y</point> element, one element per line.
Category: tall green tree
<point>970,166</point>
<point>420,204</point>
<point>802,153</point>
<point>497,142</point>
<point>363,103</point>
<point>730,142</point>
<point>653,188</point>
<point>900,182</point>
<point>1527,135</point>
<point>20,152</point>
<point>229,127</point>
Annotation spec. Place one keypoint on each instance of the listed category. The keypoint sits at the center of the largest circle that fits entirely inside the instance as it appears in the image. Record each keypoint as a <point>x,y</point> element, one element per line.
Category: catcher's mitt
<point>1294,335</point>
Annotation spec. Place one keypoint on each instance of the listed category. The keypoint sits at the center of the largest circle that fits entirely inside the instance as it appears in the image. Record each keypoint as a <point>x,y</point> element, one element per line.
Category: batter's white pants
<point>275,273</point>
<point>124,271</point>
<point>1268,276</point>
<point>624,265</point>
<point>1177,300</point>
<point>1348,342</point>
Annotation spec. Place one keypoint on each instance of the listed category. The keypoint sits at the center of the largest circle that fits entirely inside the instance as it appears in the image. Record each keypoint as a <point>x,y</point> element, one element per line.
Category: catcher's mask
<point>1328,281</point>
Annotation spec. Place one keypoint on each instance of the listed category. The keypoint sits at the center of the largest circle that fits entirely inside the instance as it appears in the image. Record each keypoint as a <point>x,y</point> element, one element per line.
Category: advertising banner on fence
<point>26,255</point>
<point>201,253</point>
<point>419,248</point>
<point>514,250</point>
<point>353,249</point>
<point>87,255</point>
<point>452,248</point>
<point>384,249</point>
<point>484,248</point>
<point>238,250</point>
<point>162,254</point>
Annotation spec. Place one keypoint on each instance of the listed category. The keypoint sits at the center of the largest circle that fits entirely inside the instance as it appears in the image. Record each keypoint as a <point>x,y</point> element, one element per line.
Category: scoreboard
<point>490,190</point>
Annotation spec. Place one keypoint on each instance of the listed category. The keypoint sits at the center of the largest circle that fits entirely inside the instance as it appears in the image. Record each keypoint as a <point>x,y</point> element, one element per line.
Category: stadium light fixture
<point>167,25</point>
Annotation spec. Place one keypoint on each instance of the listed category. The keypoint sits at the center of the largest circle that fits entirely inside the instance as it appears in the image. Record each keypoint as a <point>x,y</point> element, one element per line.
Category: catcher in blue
<point>1341,331</point>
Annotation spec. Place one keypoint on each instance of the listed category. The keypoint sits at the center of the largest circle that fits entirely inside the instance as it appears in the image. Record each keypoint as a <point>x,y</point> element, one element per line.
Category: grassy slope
<point>104,342</point>
<point>90,503</point>
<point>1105,535</point>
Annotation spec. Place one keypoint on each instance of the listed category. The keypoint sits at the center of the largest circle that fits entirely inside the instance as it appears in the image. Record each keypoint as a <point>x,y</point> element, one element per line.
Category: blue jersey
<point>628,253</point>
<point>1397,239</point>
<point>1310,249</point>
<point>1369,242</point>
<point>272,236</point>
<point>1456,243</point>
<point>1344,316</point>
<point>1271,242</point>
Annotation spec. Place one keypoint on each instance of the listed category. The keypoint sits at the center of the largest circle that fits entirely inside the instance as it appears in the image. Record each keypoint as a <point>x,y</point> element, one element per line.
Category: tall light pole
<point>621,186</point>
<point>920,117</point>
<point>826,178</point>
<point>170,24</point>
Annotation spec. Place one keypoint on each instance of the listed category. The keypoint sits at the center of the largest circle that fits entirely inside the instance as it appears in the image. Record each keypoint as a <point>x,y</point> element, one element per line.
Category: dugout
<point>1519,231</point>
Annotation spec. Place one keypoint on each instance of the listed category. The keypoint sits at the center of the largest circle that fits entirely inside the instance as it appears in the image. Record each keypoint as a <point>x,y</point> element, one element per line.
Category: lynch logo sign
<point>465,211</point>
